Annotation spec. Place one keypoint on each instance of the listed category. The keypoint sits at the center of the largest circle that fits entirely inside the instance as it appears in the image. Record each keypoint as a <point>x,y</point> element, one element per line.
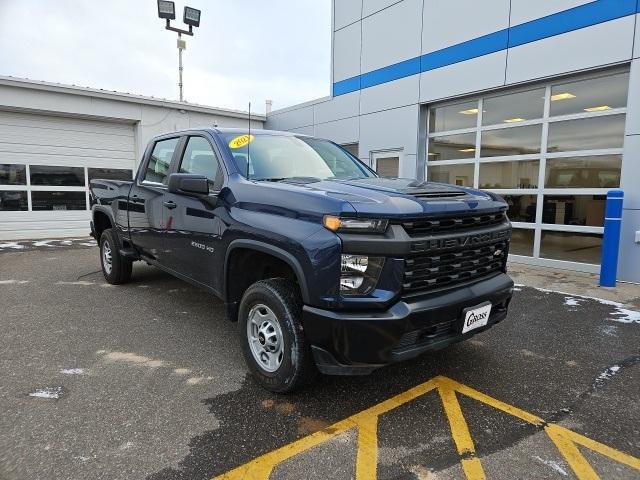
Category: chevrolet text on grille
<point>456,242</point>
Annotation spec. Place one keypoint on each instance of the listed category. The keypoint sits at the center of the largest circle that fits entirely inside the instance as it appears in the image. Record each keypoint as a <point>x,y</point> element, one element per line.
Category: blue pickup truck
<point>324,265</point>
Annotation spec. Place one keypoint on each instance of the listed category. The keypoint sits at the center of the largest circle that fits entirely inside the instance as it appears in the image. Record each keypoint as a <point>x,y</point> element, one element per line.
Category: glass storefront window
<point>451,147</point>
<point>13,201</point>
<point>571,246</point>
<point>592,95</point>
<point>461,175</point>
<point>586,134</point>
<point>511,141</point>
<point>522,208</point>
<point>58,201</point>
<point>521,242</point>
<point>57,176</point>
<point>109,174</point>
<point>514,107</point>
<point>583,154</point>
<point>574,210</point>
<point>11,174</point>
<point>518,174</point>
<point>601,171</point>
<point>453,117</point>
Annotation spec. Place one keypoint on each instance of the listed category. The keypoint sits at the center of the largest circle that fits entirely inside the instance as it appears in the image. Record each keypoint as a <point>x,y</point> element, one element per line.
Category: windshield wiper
<point>282,179</point>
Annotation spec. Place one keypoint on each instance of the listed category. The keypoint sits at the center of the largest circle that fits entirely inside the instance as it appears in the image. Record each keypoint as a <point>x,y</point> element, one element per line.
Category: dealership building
<point>538,101</point>
<point>55,138</point>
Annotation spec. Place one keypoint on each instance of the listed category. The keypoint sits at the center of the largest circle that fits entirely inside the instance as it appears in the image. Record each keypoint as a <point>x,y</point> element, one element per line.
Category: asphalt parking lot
<point>146,380</point>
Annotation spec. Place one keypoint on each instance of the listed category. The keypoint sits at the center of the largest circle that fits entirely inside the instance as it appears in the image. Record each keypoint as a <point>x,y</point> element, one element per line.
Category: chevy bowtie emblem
<point>497,253</point>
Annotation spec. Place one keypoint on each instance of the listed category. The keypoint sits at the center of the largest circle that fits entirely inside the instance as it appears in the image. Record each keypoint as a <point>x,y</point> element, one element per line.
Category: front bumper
<point>357,342</point>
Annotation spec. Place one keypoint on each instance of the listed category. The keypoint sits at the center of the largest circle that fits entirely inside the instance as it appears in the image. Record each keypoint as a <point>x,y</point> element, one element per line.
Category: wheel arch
<point>265,248</point>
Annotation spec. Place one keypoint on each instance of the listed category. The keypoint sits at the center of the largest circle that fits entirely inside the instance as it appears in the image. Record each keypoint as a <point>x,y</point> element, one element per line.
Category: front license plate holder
<point>475,317</point>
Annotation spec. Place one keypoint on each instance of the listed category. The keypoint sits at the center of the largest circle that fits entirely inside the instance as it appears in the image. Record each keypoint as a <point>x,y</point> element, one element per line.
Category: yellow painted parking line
<point>366,425</point>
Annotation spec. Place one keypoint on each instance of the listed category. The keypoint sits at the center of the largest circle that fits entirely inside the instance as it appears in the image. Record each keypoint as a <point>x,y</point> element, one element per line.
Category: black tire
<point>297,367</point>
<point>120,271</point>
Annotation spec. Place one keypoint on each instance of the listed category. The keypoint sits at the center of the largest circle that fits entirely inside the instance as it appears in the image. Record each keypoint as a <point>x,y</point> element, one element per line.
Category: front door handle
<point>136,199</point>
<point>170,204</point>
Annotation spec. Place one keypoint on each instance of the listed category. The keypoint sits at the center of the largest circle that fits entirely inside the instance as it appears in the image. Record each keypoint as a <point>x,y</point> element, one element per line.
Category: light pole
<point>191,17</point>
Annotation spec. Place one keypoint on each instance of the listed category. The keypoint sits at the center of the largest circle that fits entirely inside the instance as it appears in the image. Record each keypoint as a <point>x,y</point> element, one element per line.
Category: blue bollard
<point>611,240</point>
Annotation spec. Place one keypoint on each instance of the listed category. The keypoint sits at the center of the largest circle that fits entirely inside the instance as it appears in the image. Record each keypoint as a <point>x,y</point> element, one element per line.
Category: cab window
<point>160,161</point>
<point>200,159</point>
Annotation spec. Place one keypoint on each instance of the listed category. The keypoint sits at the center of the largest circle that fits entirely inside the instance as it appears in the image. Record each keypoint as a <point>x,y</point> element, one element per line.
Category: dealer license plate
<point>476,317</point>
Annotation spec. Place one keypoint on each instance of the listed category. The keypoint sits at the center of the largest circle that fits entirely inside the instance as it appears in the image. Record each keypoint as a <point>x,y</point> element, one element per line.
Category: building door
<point>387,163</point>
<point>46,163</point>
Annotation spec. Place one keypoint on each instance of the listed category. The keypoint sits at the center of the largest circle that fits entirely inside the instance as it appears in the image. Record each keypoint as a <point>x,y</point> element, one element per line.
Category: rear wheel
<point>273,342</point>
<point>115,268</point>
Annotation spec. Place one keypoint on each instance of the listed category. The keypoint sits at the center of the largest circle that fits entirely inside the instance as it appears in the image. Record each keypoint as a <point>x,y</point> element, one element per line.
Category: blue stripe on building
<point>583,16</point>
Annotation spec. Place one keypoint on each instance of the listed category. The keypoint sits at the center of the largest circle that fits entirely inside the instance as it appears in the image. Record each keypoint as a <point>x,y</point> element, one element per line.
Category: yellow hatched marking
<point>460,433</point>
<point>366,425</point>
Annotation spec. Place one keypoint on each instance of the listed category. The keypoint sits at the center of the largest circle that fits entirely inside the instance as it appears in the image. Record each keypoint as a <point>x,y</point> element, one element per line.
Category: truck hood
<point>397,197</point>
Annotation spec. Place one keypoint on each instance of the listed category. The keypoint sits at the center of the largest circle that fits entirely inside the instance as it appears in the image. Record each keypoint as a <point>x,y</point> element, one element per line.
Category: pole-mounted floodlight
<point>191,17</point>
<point>167,11</point>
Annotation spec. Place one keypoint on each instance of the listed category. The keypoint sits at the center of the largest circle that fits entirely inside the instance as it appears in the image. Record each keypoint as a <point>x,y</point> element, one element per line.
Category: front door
<point>387,163</point>
<point>193,226</point>
<point>146,209</point>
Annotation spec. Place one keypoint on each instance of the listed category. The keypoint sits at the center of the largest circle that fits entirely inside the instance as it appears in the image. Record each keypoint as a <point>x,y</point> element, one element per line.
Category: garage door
<point>46,163</point>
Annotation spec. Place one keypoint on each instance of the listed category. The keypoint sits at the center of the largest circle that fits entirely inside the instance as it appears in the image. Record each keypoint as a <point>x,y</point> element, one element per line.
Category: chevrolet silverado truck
<point>324,265</point>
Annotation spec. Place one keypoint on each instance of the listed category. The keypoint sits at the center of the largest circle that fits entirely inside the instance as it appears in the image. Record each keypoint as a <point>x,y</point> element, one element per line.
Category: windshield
<point>275,157</point>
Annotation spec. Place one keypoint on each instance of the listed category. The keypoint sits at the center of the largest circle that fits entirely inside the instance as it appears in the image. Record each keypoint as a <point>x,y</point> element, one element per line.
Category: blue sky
<point>244,50</point>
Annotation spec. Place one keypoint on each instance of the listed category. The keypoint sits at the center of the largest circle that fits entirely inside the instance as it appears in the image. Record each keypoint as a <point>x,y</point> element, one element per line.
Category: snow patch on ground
<point>621,314</point>
<point>73,371</point>
<point>571,302</point>
<point>554,465</point>
<point>47,392</point>
<point>608,374</point>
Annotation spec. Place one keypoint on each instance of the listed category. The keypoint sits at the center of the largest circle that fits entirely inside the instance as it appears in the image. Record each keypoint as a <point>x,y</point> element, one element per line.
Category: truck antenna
<point>249,142</point>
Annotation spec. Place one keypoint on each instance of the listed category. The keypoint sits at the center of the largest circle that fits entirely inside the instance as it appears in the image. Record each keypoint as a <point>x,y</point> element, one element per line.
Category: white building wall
<point>58,125</point>
<point>388,115</point>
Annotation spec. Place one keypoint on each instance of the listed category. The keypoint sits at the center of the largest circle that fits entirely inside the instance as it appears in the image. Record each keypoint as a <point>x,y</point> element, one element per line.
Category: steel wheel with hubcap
<point>265,337</point>
<point>273,341</point>
<point>107,261</point>
<point>115,268</point>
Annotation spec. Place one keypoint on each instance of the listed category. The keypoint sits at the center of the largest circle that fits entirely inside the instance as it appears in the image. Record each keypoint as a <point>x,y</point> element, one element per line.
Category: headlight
<point>359,274</point>
<point>365,225</point>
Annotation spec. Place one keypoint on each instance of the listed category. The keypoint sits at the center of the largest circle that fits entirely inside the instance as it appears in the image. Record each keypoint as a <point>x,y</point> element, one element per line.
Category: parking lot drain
<point>51,393</point>
<point>366,424</point>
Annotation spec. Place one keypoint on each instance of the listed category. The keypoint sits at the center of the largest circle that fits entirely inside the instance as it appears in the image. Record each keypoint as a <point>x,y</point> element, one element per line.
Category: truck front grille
<point>435,225</point>
<point>431,270</point>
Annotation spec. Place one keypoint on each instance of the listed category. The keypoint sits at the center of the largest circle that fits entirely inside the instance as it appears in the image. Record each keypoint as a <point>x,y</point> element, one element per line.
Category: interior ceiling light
<point>471,111</point>
<point>601,108</point>
<point>562,96</point>
<point>465,150</point>
<point>514,120</point>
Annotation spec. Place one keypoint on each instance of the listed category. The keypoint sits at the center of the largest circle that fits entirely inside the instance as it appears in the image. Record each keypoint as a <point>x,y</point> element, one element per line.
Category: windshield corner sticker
<point>241,141</point>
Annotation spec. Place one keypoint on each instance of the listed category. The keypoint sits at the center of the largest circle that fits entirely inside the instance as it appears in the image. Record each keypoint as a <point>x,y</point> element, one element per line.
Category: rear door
<point>193,224</point>
<point>146,209</point>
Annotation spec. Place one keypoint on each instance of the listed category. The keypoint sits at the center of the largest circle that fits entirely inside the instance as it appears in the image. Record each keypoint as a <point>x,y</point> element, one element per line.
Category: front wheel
<point>115,268</point>
<point>273,342</point>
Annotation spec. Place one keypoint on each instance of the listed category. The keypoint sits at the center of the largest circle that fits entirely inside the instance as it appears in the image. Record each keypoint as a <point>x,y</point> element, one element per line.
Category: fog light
<point>359,274</point>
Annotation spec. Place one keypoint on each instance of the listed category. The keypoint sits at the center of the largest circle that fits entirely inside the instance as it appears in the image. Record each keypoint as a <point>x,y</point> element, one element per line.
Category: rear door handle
<point>170,204</point>
<point>137,199</point>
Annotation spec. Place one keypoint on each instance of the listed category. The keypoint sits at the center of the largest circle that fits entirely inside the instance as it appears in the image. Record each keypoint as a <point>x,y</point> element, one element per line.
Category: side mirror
<point>188,184</point>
